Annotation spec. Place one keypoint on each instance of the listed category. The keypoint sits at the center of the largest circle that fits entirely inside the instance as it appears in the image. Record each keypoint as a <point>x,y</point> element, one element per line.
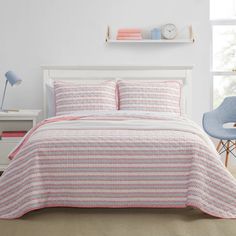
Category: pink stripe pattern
<point>71,96</point>
<point>66,162</point>
<point>163,96</point>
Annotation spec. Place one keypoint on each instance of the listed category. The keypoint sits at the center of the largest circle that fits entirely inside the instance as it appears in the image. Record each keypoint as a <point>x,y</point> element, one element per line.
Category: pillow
<point>71,96</point>
<point>152,96</point>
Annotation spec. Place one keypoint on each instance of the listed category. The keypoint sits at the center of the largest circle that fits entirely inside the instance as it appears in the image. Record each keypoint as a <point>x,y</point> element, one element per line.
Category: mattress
<point>117,159</point>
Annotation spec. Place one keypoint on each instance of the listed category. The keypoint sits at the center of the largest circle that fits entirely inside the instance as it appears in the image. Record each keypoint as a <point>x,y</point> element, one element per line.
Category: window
<point>223,19</point>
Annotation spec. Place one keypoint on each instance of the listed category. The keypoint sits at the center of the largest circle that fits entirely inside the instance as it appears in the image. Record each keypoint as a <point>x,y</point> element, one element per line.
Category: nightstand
<point>14,121</point>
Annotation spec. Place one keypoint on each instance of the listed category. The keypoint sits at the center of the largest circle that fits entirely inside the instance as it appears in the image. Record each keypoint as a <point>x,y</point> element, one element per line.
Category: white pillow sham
<point>72,97</point>
<point>151,96</point>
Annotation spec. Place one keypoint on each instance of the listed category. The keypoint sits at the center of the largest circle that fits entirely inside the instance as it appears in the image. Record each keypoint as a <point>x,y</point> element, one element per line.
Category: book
<point>129,34</point>
<point>129,31</point>
<point>13,135</point>
<point>11,139</point>
<point>129,38</point>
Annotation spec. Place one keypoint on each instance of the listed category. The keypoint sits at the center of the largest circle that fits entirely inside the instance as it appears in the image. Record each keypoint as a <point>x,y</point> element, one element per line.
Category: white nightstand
<point>14,121</point>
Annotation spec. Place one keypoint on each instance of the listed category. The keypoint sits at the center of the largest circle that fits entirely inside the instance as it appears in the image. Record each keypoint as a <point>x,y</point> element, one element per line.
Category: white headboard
<point>100,73</point>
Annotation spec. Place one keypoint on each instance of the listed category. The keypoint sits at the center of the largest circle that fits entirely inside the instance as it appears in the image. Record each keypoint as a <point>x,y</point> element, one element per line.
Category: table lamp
<point>13,79</point>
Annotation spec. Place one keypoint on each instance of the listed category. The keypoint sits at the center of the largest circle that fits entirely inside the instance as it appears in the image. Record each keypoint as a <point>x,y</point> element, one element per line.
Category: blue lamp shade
<point>12,78</point>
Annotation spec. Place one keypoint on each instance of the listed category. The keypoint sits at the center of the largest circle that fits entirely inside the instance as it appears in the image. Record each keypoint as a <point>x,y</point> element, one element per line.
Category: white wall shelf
<point>189,40</point>
<point>150,41</point>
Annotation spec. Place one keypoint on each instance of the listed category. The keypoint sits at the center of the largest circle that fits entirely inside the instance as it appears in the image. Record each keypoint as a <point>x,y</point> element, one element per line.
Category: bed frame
<point>93,74</point>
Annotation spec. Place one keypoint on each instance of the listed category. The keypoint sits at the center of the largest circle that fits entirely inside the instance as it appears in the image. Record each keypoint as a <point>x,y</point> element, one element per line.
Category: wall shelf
<point>150,41</point>
<point>189,40</point>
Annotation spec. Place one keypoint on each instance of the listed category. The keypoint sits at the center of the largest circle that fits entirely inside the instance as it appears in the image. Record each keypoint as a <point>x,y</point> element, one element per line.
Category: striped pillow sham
<point>151,96</point>
<point>71,96</point>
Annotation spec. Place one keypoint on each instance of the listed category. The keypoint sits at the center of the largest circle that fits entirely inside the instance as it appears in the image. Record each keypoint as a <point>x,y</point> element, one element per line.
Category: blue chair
<point>213,123</point>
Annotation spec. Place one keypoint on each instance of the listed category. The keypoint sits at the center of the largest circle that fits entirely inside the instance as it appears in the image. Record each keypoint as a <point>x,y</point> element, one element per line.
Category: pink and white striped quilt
<point>117,159</point>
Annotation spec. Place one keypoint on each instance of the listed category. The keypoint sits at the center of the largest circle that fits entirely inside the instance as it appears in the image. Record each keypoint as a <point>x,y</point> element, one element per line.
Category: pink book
<point>129,34</point>
<point>129,31</point>
<point>13,133</point>
<point>129,38</point>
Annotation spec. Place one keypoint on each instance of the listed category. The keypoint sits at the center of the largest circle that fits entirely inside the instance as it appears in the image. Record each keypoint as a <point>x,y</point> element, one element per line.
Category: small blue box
<point>156,34</point>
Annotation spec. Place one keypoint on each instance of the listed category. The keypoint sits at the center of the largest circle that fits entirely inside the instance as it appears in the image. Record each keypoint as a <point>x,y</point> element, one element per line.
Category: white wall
<point>71,32</point>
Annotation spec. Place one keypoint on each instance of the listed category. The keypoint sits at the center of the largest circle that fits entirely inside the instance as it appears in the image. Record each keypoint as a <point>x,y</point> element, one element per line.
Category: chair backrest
<point>227,110</point>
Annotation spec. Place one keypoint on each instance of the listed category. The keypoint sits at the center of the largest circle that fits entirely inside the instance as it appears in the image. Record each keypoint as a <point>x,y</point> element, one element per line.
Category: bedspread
<point>116,160</point>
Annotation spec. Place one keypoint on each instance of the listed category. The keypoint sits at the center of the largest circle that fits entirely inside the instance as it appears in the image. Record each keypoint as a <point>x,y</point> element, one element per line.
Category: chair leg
<point>219,146</point>
<point>227,153</point>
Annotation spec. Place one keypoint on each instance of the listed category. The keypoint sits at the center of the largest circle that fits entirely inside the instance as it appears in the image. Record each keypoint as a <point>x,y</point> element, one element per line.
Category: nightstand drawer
<point>5,149</point>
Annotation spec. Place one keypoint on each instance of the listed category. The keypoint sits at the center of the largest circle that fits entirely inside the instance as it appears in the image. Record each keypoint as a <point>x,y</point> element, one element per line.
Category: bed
<point>117,158</point>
